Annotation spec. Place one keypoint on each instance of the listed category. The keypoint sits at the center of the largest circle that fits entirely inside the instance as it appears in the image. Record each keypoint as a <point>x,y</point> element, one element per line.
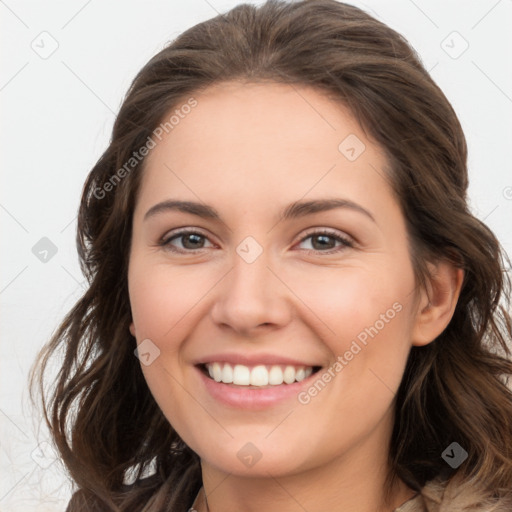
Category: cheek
<point>162,300</point>
<point>162,297</point>
<point>348,301</point>
<point>368,320</point>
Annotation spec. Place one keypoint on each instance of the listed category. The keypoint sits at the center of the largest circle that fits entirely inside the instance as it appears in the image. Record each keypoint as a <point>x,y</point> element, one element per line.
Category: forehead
<point>234,115</point>
<point>263,140</point>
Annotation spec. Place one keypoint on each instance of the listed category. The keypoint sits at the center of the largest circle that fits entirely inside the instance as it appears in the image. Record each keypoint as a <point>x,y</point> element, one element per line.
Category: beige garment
<point>453,497</point>
<point>437,496</point>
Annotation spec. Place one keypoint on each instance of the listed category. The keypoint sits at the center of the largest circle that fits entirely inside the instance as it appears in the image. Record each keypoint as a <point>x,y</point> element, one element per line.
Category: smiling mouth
<point>257,376</point>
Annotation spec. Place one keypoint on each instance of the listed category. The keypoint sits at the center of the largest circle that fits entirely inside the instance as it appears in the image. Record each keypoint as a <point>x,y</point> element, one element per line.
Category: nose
<point>251,298</point>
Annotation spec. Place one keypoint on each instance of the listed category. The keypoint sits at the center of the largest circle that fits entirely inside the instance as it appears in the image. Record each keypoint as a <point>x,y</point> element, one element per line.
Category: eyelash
<point>345,241</point>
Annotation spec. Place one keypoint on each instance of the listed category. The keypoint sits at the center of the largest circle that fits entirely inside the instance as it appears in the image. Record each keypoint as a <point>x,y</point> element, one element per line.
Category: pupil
<point>324,238</point>
<point>188,237</point>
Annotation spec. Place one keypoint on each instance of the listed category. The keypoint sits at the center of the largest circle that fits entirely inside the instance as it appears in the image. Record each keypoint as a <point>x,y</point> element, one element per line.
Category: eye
<point>190,241</point>
<point>325,241</point>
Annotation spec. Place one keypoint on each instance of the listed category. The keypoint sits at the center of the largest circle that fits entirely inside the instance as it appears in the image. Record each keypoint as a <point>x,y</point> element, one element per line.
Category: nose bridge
<point>250,275</point>
<point>251,295</point>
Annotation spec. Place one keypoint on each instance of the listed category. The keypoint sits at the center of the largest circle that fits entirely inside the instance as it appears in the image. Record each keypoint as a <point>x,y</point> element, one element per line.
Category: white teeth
<point>227,374</point>
<point>260,375</point>
<point>241,375</point>
<point>289,374</point>
<point>275,376</point>
<point>217,372</point>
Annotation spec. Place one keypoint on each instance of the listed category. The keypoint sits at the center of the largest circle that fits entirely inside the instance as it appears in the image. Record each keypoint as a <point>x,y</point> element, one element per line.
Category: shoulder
<point>455,495</point>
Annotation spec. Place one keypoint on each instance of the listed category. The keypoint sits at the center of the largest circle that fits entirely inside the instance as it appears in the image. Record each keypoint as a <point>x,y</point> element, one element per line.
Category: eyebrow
<point>294,210</point>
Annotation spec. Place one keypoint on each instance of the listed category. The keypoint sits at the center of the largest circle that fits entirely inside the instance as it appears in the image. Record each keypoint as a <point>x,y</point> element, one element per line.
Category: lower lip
<point>244,397</point>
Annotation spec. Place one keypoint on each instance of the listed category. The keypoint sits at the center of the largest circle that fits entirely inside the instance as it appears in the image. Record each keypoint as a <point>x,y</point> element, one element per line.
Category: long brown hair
<point>101,413</point>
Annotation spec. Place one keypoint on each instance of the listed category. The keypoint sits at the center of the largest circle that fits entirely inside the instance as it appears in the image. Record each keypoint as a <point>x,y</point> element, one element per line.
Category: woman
<point>279,232</point>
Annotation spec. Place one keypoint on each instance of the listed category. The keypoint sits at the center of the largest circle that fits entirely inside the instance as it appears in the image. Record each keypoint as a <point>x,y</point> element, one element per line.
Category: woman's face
<point>298,262</point>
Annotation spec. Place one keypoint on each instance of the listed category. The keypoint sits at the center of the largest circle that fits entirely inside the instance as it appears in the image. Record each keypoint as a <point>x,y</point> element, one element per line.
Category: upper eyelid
<point>328,231</point>
<point>181,232</point>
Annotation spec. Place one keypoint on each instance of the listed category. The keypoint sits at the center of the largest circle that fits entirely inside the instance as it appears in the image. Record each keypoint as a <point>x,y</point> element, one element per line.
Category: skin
<point>249,150</point>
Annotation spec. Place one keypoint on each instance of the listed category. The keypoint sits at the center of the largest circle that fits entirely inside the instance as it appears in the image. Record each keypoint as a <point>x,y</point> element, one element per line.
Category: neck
<point>352,481</point>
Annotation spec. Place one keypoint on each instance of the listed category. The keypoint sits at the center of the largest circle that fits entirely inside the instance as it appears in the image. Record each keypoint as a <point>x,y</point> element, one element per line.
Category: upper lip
<point>252,360</point>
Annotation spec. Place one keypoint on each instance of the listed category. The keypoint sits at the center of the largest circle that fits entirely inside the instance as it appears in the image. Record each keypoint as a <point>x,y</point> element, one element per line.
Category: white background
<point>57,114</point>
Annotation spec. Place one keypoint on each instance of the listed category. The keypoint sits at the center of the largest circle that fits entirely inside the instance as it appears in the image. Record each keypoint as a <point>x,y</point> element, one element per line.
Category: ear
<point>437,302</point>
<point>132,329</point>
